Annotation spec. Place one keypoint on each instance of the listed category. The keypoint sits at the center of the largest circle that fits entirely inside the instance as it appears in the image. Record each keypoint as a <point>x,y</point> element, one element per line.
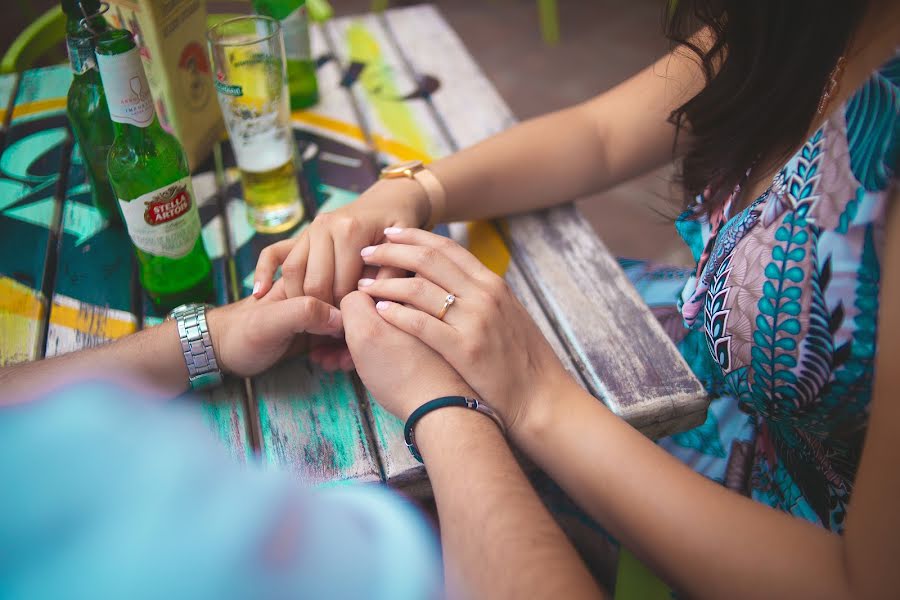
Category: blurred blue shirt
<point>105,493</point>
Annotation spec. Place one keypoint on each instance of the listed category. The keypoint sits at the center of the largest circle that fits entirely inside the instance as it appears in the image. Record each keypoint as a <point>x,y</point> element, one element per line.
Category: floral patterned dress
<point>778,319</point>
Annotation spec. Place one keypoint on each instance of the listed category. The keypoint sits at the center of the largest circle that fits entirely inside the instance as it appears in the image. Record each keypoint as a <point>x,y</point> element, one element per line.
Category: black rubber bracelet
<point>443,402</point>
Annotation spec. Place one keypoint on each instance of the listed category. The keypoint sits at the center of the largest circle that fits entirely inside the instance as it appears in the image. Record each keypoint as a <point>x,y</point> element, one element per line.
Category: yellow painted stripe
<point>20,300</point>
<point>38,106</point>
<point>104,326</point>
<point>399,150</point>
<point>485,243</point>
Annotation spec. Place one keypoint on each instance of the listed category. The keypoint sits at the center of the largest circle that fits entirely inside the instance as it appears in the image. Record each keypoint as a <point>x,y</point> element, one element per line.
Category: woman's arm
<point>248,337</point>
<point>498,539</point>
<point>543,162</point>
<point>572,153</point>
<point>714,543</point>
<point>703,538</point>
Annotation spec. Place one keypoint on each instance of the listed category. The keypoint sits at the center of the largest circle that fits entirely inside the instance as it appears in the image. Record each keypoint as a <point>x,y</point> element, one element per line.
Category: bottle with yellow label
<point>149,174</point>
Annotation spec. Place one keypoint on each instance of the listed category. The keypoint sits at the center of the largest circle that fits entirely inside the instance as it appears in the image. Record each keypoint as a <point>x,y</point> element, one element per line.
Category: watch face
<point>186,308</point>
<point>401,169</point>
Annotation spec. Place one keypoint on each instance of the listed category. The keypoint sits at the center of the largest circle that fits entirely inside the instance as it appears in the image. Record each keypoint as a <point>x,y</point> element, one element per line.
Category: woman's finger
<point>293,271</point>
<point>419,237</point>
<point>440,336</point>
<point>319,280</point>
<point>415,291</point>
<point>426,262</point>
<point>270,259</point>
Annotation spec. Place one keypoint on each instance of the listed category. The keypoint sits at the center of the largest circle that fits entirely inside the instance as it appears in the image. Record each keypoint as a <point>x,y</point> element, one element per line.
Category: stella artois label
<point>127,91</point>
<point>164,222</point>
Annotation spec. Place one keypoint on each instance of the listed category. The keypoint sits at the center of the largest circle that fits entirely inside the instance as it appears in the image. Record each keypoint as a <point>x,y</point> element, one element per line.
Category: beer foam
<point>263,153</point>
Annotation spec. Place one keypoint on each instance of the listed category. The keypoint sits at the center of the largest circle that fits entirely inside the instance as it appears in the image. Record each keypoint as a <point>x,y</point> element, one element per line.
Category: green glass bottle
<point>301,69</point>
<point>86,103</point>
<point>149,174</point>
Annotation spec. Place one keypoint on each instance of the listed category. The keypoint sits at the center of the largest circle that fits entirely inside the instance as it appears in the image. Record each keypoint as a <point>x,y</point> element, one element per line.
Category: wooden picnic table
<point>394,86</point>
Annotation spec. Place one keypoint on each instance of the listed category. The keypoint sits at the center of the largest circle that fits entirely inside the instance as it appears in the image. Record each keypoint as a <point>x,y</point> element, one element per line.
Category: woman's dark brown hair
<point>765,73</point>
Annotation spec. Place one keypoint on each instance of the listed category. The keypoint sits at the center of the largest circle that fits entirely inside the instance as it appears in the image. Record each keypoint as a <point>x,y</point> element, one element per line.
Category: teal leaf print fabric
<point>780,314</point>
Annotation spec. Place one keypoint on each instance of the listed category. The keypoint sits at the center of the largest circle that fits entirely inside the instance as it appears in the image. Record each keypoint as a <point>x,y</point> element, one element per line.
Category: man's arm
<point>151,357</point>
<point>248,337</point>
<point>499,541</point>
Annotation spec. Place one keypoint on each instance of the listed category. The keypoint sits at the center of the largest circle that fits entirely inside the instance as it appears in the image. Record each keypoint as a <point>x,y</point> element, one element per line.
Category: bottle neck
<point>128,94</point>
<point>75,11</point>
<point>80,48</point>
<point>135,136</point>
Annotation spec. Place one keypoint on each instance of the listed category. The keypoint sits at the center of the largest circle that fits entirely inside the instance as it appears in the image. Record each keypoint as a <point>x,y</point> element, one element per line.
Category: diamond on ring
<point>448,301</point>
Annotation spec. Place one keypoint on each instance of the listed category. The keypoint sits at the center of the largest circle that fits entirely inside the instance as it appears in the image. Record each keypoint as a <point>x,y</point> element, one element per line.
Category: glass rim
<point>257,40</point>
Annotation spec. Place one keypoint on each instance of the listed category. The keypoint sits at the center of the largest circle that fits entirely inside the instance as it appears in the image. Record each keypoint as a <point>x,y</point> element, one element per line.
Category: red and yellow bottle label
<point>164,222</point>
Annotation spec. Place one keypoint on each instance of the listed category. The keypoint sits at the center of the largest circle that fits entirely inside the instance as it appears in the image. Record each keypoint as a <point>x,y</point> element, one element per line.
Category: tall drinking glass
<point>251,83</point>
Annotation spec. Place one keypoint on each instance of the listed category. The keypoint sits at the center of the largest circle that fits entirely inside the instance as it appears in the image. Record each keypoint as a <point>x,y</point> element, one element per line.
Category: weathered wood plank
<point>36,149</point>
<point>310,421</point>
<point>403,126</point>
<point>398,130</point>
<point>621,352</point>
<point>628,360</point>
<point>390,102</point>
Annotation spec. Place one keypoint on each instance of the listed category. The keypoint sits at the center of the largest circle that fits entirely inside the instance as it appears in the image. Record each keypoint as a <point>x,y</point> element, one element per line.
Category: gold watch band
<point>434,190</point>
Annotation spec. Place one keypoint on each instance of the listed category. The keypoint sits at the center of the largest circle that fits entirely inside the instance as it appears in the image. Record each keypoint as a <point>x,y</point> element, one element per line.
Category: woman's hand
<point>486,334</point>
<point>401,372</point>
<point>252,335</point>
<point>324,261</point>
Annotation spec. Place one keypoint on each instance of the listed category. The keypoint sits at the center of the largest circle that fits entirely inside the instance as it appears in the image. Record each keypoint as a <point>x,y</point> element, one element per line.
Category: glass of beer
<point>251,84</point>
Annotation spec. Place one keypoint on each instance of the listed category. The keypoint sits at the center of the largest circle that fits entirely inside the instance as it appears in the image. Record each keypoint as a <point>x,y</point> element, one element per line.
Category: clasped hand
<point>486,343</point>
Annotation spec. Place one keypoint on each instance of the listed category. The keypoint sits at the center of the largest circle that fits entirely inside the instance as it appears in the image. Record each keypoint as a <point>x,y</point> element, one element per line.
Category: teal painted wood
<point>311,423</point>
<point>36,148</point>
<point>93,297</point>
<point>47,86</point>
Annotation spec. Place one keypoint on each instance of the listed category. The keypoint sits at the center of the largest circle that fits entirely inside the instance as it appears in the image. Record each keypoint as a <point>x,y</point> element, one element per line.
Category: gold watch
<point>434,191</point>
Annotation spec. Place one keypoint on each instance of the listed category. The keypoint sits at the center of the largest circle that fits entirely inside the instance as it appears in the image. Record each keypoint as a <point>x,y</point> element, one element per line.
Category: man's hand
<point>252,335</point>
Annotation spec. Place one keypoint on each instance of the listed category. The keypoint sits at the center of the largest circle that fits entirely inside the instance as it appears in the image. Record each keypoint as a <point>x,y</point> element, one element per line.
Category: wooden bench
<point>394,86</point>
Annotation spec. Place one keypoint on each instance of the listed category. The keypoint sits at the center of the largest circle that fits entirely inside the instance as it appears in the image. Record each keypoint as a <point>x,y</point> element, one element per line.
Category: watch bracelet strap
<point>409,434</point>
<point>434,191</point>
<point>196,345</point>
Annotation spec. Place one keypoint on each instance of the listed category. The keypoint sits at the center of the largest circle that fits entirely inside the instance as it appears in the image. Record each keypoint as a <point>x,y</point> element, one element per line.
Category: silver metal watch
<point>196,343</point>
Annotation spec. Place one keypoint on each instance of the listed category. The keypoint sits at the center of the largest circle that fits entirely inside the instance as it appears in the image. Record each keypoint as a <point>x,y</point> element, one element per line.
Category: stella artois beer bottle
<point>301,69</point>
<point>86,102</point>
<point>149,175</point>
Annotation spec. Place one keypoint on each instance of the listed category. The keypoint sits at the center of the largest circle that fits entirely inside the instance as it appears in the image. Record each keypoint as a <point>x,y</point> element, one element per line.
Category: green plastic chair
<point>634,581</point>
<point>42,36</point>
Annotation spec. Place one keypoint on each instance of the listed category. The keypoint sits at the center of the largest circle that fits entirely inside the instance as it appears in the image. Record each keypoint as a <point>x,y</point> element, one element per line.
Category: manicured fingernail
<point>334,317</point>
<point>256,286</point>
<point>382,305</point>
<point>366,282</point>
<point>393,230</point>
<point>367,251</point>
